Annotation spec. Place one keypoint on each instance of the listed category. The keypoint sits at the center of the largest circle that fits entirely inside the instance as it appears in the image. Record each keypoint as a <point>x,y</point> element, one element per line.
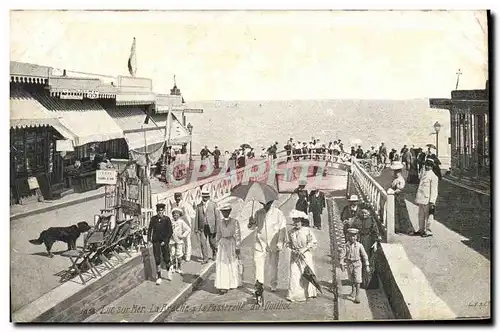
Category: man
<point>270,238</point>
<point>251,154</point>
<point>288,149</point>
<point>159,234</point>
<point>359,152</point>
<point>207,219</point>
<point>205,152</point>
<point>305,149</point>
<point>316,206</point>
<point>427,193</point>
<point>188,214</point>
<point>350,210</point>
<point>382,152</point>
<point>216,153</point>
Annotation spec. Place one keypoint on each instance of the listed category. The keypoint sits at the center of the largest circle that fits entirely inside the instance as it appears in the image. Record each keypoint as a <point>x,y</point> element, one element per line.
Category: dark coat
<point>316,204</point>
<point>160,229</point>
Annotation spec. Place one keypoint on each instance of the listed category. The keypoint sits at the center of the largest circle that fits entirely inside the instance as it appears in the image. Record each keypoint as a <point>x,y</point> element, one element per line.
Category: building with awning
<point>470,138</point>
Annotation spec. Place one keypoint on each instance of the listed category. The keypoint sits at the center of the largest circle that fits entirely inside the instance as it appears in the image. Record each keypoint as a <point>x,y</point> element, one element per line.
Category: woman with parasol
<point>301,241</point>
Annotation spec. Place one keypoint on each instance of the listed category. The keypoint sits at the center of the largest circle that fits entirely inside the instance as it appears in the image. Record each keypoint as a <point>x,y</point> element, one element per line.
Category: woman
<point>412,167</point>
<point>303,204</point>
<point>402,222</point>
<point>301,241</point>
<point>228,239</point>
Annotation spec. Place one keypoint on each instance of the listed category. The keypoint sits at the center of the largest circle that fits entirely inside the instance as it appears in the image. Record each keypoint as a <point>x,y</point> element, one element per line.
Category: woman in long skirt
<point>228,240</point>
<point>301,241</point>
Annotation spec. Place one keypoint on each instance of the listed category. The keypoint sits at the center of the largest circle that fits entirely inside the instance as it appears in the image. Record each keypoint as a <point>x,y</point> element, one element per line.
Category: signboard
<point>133,191</point>
<point>33,183</point>
<point>64,145</point>
<point>105,177</point>
<point>130,208</point>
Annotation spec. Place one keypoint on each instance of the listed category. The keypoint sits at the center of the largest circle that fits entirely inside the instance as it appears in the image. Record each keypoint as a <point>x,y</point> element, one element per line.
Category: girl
<point>301,241</point>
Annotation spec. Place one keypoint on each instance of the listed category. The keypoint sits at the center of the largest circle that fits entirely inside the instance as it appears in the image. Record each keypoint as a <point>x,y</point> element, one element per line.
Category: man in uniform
<point>159,234</point>
<point>216,154</point>
<point>188,214</point>
<point>270,238</point>
<point>207,220</point>
<point>426,197</point>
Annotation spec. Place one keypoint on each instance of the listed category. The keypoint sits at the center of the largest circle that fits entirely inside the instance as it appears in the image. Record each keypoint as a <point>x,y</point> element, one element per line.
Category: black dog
<point>69,235</point>
<point>259,293</point>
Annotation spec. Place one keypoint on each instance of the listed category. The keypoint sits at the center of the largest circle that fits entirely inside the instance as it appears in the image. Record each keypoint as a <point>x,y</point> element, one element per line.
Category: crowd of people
<point>220,241</point>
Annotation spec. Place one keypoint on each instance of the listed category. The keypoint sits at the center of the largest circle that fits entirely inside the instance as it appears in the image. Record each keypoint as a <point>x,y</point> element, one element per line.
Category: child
<point>353,257</point>
<point>301,241</point>
<point>180,230</point>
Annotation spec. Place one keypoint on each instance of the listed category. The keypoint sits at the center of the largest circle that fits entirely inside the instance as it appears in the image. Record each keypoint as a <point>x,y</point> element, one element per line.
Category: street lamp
<point>190,129</point>
<point>437,128</point>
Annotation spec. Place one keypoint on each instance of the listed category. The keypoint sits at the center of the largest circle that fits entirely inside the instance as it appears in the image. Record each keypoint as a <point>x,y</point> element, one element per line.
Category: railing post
<point>391,214</point>
<point>348,187</point>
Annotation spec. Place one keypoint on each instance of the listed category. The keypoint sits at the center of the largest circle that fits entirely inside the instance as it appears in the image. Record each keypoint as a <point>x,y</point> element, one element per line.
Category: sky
<point>266,55</point>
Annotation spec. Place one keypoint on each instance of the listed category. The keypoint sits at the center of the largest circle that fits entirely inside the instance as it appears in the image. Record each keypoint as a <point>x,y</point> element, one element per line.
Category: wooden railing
<point>380,200</point>
<point>220,186</point>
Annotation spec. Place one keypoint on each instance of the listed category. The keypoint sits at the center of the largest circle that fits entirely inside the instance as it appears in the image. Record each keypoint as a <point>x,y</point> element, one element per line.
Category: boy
<point>180,231</point>
<point>159,234</point>
<point>353,257</point>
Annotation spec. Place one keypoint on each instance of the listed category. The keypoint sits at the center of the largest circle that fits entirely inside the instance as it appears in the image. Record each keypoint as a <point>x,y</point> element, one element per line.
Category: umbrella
<point>245,146</point>
<point>309,275</point>
<point>256,191</point>
<point>432,146</point>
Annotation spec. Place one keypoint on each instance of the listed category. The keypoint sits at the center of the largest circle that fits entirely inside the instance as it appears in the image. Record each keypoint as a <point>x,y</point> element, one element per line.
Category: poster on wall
<point>133,192</point>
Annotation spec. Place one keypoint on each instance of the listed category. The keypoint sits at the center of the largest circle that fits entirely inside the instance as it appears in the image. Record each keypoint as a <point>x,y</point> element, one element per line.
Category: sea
<point>228,124</point>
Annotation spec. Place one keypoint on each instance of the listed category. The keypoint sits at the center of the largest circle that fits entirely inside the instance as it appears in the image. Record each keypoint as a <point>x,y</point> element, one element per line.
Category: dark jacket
<point>160,229</point>
<point>302,205</point>
<point>316,203</point>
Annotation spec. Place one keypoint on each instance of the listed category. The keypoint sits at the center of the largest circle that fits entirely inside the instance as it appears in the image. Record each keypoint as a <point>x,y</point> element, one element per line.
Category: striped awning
<point>86,119</point>
<point>26,111</point>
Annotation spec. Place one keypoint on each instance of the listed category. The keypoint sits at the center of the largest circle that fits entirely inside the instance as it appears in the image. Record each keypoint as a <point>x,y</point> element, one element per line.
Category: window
<point>28,150</point>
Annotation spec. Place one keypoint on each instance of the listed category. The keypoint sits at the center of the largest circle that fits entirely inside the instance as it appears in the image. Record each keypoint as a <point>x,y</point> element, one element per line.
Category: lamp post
<point>437,128</point>
<point>190,129</point>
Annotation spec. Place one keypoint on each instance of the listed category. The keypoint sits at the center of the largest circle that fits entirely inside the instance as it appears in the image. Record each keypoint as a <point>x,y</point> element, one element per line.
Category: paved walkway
<point>374,304</point>
<point>456,260</point>
<point>277,308</point>
<point>155,298</point>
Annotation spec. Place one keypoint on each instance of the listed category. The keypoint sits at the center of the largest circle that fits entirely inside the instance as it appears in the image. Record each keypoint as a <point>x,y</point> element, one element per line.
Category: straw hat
<point>176,209</point>
<point>298,214</point>
<point>226,207</point>
<point>353,198</point>
<point>352,231</point>
<point>205,192</point>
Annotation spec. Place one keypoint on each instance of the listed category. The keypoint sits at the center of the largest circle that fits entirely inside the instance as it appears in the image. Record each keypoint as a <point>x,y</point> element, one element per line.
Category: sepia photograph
<point>249,166</point>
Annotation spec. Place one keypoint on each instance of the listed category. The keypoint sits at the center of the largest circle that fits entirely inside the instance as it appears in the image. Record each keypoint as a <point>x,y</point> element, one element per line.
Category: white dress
<point>228,239</point>
<point>300,289</point>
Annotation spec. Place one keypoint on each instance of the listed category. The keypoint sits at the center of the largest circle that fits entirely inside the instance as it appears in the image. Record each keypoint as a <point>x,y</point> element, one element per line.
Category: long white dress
<point>226,265</point>
<point>300,289</point>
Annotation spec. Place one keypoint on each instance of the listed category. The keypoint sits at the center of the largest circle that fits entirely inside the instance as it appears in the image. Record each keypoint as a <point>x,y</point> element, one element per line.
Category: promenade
<point>455,261</point>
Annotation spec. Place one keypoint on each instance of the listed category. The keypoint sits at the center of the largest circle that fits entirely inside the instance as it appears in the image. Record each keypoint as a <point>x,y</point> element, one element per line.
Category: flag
<point>132,61</point>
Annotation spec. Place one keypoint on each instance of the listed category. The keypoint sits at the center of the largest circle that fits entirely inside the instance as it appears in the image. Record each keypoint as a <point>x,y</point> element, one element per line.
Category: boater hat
<point>226,207</point>
<point>429,162</point>
<point>352,231</point>
<point>353,198</point>
<point>205,192</point>
<point>298,214</point>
